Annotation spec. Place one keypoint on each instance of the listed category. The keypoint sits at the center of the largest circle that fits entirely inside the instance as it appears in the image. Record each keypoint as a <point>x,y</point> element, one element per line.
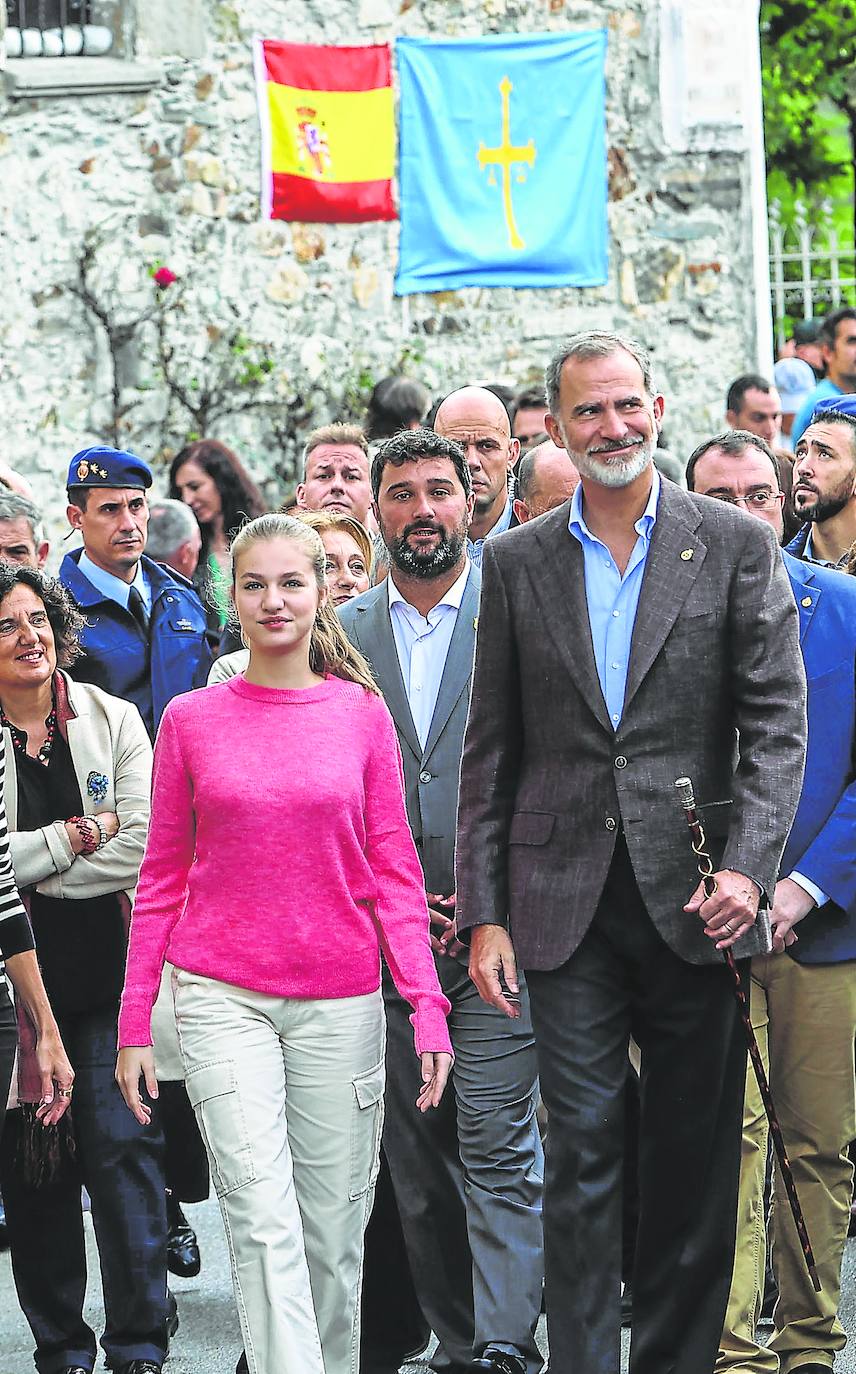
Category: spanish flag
<point>328,131</point>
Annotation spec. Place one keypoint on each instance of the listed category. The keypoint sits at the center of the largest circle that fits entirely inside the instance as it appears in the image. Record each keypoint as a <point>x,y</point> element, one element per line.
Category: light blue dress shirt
<point>113,587</point>
<point>612,598</point>
<point>475,547</point>
<point>422,644</point>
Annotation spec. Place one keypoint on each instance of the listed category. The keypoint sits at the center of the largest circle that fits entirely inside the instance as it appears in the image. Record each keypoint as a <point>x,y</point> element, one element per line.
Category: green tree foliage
<point>809,58</point>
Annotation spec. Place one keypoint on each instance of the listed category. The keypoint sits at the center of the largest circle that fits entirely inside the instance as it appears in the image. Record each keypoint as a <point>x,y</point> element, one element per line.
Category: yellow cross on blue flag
<point>502,173</point>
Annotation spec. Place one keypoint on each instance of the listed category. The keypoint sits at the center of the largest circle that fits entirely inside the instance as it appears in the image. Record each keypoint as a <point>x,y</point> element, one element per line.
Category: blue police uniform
<point>120,658</point>
<point>151,665</point>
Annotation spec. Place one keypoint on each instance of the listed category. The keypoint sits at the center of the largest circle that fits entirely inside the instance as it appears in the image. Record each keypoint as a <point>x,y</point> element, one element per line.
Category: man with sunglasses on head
<point>804,992</point>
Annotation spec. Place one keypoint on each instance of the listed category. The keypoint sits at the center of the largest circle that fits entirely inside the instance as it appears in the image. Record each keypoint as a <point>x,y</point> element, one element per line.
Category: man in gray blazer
<point>467,1179</point>
<point>634,635</point>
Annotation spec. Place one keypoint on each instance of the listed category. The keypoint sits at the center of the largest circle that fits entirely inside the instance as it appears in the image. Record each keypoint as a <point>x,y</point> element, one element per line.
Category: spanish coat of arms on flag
<point>328,131</point>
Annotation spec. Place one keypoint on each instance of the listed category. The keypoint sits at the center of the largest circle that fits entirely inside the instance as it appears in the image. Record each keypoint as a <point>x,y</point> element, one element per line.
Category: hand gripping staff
<point>705,867</point>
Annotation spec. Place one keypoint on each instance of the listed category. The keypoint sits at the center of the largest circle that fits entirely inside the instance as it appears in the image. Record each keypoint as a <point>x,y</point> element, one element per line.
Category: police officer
<point>145,638</point>
<point>145,642</point>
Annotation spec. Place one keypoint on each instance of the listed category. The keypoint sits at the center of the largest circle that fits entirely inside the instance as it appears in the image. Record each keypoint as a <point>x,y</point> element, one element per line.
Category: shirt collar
<point>111,587</point>
<point>502,524</point>
<point>453,598</point>
<point>644,525</point>
<point>809,553</point>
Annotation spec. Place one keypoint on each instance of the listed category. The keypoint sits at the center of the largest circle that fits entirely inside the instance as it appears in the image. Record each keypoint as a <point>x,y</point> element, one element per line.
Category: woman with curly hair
<point>78,771</point>
<point>210,479</point>
<point>278,865</point>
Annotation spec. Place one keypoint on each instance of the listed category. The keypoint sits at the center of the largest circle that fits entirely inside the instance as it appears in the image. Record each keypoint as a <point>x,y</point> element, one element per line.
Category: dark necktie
<point>137,607</point>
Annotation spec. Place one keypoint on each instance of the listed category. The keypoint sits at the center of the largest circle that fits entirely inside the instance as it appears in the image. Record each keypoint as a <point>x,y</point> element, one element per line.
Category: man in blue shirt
<point>144,641</point>
<point>838,338</point>
<point>477,420</point>
<point>824,489</point>
<point>145,634</point>
<point>804,999</point>
<point>636,635</point>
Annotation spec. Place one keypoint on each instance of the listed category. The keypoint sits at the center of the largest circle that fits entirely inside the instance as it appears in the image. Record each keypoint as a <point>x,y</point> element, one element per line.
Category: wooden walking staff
<point>705,868</point>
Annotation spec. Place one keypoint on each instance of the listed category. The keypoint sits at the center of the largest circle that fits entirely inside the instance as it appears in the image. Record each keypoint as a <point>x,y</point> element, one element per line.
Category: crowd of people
<point>356,823</point>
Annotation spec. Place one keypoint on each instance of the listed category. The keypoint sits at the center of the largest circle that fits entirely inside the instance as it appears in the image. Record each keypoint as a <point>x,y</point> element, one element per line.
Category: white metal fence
<point>812,265</point>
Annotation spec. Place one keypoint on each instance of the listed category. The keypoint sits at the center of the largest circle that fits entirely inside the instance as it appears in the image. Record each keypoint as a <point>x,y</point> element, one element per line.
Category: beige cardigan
<point>228,666</point>
<point>106,736</point>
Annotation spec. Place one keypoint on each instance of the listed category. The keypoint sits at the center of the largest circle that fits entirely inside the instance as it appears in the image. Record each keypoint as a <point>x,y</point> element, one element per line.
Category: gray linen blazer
<point>715,691</point>
<point>430,775</point>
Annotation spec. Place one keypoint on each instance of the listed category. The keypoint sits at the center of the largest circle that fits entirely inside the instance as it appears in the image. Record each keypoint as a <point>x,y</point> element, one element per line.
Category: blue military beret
<point>835,405</point>
<point>108,467</point>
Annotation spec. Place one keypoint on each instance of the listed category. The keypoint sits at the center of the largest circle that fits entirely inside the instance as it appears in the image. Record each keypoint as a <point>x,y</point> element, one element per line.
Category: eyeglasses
<point>756,500</point>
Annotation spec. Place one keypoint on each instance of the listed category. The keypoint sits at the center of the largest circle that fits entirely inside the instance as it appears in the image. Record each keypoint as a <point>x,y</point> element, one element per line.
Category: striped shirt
<point>16,935</point>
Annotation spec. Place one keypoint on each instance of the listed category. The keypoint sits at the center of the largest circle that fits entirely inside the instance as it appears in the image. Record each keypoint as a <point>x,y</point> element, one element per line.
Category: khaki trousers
<point>805,1021</point>
<point>289,1099</point>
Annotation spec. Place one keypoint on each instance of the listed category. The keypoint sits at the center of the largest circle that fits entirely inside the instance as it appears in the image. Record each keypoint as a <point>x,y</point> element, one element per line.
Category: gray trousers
<point>468,1178</point>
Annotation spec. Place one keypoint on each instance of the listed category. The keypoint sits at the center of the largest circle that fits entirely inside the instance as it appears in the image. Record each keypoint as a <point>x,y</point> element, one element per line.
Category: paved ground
<point>208,1341</point>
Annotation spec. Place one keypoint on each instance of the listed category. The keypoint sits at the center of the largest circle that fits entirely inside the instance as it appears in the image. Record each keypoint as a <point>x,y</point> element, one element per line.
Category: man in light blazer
<point>468,1181</point>
<point>632,636</point>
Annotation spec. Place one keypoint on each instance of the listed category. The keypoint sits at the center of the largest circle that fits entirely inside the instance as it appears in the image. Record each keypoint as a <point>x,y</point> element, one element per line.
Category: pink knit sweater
<point>279,855</point>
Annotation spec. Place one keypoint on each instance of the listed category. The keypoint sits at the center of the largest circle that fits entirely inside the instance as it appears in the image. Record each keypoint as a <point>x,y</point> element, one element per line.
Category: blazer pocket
<point>715,818</point>
<point>531,827</point>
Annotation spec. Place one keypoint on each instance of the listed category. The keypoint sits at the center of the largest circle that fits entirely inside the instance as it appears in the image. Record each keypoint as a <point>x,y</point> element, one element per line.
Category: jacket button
<point>424,777</point>
<point>621,761</point>
<point>610,822</point>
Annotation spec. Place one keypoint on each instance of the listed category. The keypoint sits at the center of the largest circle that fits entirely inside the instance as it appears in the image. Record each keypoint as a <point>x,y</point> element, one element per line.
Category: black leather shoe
<point>242,1367</point>
<point>138,1367</point>
<point>75,1369</point>
<point>815,1368</point>
<point>499,1362</point>
<point>182,1247</point>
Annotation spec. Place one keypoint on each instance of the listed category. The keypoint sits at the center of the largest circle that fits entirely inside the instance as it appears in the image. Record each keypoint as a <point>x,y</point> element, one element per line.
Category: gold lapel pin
<point>806,601</point>
<point>686,555</point>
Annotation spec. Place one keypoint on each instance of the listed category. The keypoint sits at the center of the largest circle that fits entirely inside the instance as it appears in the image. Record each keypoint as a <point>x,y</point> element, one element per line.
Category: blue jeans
<point>121,1165</point>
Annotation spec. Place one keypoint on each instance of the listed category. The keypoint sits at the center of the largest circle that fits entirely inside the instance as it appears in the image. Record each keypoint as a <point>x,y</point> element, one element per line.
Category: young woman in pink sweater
<point>279,864</point>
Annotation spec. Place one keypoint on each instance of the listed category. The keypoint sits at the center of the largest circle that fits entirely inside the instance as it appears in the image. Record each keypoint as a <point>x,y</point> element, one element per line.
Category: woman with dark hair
<point>210,478</point>
<point>78,774</point>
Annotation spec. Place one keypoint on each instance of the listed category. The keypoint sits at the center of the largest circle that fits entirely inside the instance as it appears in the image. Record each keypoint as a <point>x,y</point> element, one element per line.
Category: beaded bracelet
<point>83,825</point>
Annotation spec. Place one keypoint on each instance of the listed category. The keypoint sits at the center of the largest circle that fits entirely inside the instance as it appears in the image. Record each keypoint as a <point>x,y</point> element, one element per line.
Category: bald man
<point>477,420</point>
<point>546,478</point>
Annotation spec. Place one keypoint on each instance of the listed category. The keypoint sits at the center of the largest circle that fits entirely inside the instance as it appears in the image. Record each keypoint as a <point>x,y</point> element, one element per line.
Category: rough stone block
<point>171,28</point>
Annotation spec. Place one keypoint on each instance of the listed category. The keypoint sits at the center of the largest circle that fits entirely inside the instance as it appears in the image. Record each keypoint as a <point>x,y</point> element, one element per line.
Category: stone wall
<point>273,327</point>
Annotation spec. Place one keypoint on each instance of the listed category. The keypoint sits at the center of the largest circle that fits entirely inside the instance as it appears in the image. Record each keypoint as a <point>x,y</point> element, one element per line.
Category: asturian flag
<point>502,164</point>
<point>328,131</point>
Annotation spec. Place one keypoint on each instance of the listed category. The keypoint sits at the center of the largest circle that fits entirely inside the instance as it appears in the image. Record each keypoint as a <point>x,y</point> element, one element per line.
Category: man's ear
<point>74,516</point>
<point>521,511</point>
<point>42,553</point>
<point>513,452</point>
<point>300,496</point>
<point>554,431</point>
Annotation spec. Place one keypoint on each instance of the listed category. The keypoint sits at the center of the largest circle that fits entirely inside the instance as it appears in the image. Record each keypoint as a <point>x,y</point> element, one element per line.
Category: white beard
<point>613,470</point>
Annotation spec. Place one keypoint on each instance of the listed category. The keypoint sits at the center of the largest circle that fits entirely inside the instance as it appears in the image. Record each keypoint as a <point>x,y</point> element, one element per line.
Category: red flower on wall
<point>164,277</point>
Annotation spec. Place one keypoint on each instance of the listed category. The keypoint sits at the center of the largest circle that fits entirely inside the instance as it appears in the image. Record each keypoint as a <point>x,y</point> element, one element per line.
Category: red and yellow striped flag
<point>328,131</point>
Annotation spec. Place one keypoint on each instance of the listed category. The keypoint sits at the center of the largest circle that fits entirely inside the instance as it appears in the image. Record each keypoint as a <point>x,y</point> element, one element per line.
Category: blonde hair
<point>322,520</point>
<point>330,650</point>
<point>337,433</point>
